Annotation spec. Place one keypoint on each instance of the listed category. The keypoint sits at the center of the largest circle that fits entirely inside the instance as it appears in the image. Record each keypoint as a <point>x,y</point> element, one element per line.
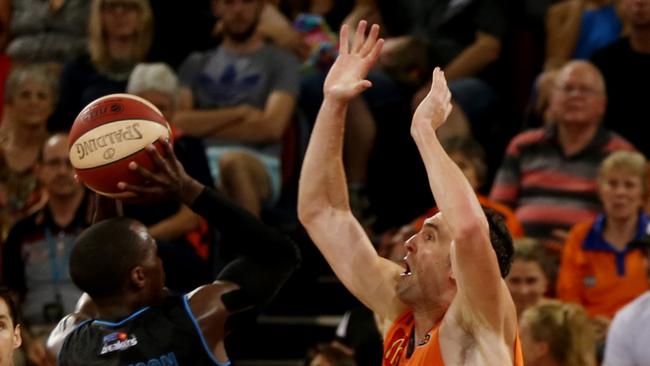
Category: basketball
<point>108,134</point>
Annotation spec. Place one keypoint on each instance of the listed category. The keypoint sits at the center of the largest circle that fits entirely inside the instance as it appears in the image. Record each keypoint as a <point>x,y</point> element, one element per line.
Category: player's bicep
<point>480,285</point>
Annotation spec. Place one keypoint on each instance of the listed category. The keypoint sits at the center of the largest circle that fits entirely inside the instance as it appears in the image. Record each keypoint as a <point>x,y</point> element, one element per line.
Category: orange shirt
<point>397,339</point>
<point>595,274</point>
<point>513,224</point>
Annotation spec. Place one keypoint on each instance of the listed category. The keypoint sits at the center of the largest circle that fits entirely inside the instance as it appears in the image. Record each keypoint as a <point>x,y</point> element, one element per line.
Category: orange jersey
<point>513,224</point>
<point>396,344</point>
<point>598,276</point>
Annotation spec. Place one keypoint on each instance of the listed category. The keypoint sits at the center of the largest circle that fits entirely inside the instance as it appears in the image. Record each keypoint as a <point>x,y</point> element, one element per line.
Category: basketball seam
<point>114,161</point>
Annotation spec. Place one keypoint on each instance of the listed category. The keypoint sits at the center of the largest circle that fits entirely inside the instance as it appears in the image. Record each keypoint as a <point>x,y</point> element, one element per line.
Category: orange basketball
<point>108,134</point>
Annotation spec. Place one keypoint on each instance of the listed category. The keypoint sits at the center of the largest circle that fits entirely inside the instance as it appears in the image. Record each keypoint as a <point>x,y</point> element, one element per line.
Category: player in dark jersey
<point>128,318</point>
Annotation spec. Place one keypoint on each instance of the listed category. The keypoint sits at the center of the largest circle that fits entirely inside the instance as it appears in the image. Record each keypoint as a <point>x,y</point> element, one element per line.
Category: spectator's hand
<point>436,106</point>
<point>346,78</point>
<point>169,179</point>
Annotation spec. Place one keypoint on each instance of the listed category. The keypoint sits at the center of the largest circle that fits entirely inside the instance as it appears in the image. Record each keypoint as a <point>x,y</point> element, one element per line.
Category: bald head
<point>578,95</point>
<point>104,255</point>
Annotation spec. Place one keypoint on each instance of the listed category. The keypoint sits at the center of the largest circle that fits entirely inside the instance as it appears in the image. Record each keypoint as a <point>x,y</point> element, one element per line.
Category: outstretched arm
<point>481,290</point>
<point>323,206</point>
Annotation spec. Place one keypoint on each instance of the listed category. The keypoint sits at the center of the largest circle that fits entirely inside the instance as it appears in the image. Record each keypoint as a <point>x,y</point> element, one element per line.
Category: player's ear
<point>138,277</point>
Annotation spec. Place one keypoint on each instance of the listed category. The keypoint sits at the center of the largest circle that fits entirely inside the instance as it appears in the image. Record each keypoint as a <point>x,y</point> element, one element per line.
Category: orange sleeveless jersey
<point>396,344</point>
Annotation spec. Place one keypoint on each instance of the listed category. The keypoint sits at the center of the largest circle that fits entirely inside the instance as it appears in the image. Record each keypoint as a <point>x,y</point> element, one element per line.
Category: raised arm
<point>481,290</point>
<point>323,206</point>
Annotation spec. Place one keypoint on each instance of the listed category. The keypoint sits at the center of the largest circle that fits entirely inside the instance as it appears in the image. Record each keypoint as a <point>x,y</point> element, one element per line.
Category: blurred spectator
<point>181,234</point>
<point>30,95</point>
<point>35,256</point>
<point>9,327</point>
<point>358,335</point>
<point>528,280</point>
<point>548,176</point>
<point>119,36</point>
<point>575,29</point>
<point>554,333</point>
<point>240,97</point>
<point>36,31</point>
<point>600,269</point>
<point>625,66</point>
<point>327,355</point>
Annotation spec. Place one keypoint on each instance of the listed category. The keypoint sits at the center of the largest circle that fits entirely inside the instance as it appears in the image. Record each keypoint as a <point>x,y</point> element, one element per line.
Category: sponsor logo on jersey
<point>117,341</point>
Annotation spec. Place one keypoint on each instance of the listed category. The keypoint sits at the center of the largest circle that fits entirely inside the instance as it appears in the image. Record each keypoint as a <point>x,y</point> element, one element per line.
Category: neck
<point>575,138</point>
<point>26,136</point>
<point>426,319</point>
<point>118,308</point>
<point>619,232</point>
<point>253,43</point>
<point>640,39</point>
<point>64,207</point>
<point>121,48</point>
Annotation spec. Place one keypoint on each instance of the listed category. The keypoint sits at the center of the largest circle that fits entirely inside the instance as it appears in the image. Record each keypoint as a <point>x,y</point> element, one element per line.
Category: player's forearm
<point>453,194</point>
<point>322,179</point>
<point>474,58</point>
<point>203,123</point>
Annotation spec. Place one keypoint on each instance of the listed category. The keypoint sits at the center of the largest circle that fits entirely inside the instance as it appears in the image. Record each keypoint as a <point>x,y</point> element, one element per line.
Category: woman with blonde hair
<point>601,268</point>
<point>557,334</point>
<point>120,33</point>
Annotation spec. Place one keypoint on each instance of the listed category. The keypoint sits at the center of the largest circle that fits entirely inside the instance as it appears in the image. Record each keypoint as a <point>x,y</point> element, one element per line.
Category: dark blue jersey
<point>166,335</point>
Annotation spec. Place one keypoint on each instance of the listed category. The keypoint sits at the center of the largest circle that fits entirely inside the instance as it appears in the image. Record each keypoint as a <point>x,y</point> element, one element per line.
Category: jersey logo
<point>395,348</point>
<point>117,341</point>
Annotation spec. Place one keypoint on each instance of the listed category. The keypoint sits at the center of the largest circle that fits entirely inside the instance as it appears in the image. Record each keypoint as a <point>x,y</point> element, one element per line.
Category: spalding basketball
<point>108,134</point>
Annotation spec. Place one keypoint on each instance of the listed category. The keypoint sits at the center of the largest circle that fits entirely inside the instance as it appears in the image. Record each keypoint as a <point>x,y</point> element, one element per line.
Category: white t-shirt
<point>628,339</point>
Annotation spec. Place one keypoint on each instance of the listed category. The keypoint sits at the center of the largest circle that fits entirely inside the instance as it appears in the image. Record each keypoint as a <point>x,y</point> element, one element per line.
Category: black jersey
<point>166,335</point>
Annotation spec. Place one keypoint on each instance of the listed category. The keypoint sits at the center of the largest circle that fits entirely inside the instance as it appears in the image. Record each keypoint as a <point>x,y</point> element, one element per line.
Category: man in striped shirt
<point>548,175</point>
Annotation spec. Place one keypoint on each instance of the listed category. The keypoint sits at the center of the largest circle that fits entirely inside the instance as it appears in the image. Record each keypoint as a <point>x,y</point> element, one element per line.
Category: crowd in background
<point>550,140</point>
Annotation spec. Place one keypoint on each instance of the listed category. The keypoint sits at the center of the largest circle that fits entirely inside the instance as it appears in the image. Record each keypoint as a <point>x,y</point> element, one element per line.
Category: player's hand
<point>346,78</point>
<point>168,180</point>
<point>436,106</point>
<point>105,207</point>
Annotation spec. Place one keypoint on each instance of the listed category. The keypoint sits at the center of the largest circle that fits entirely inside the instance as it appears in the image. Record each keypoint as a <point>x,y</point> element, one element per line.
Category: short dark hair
<point>501,240</point>
<point>104,255</point>
<point>9,298</point>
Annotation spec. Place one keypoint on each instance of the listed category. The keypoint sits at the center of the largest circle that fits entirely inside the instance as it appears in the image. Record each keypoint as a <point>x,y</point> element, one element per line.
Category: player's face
<point>163,101</point>
<point>55,171</point>
<point>152,266</point>
<point>427,273</point>
<point>9,336</point>
<point>239,17</point>
<point>32,104</point>
<point>621,193</point>
<point>527,283</point>
<point>120,17</point>
<point>578,97</point>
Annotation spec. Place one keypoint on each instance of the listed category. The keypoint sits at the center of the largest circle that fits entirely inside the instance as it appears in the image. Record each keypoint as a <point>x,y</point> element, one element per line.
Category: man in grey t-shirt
<point>240,97</point>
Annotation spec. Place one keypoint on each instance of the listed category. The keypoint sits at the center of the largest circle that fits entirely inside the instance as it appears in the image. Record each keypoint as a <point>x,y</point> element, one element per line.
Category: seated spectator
<point>554,333</point>
<point>548,175</point>
<point>35,257</point>
<point>240,97</point>
<point>624,65</point>
<point>10,338</point>
<point>528,280</point>
<point>327,355</point>
<point>358,335</point>
<point>119,37</point>
<point>575,29</point>
<point>181,234</point>
<point>52,32</point>
<point>30,95</point>
<point>600,269</point>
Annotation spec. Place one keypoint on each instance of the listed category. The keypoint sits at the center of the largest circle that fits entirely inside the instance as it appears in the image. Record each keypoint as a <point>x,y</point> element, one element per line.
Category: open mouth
<point>407,269</point>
